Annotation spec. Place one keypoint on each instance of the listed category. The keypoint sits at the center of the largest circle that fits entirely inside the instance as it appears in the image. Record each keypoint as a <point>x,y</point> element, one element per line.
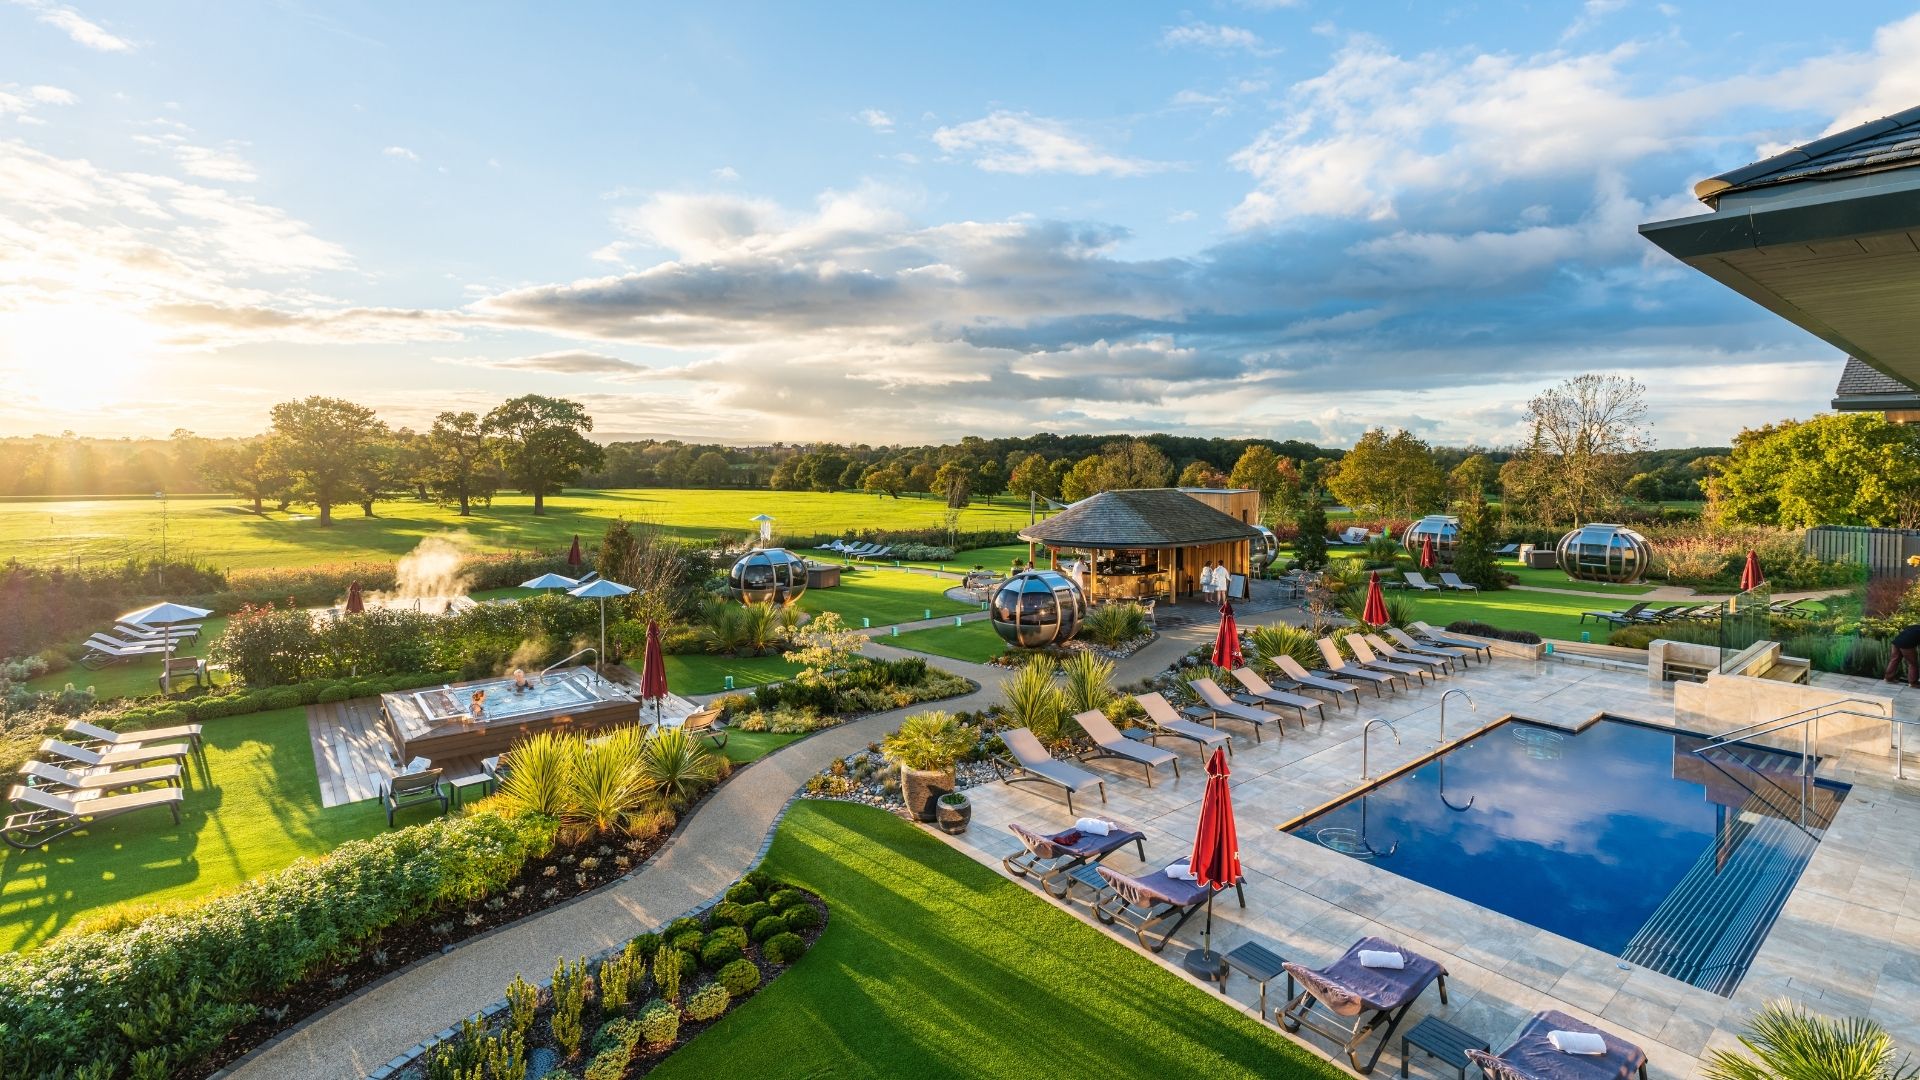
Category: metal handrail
<point>1737,733</point>
<point>577,655</point>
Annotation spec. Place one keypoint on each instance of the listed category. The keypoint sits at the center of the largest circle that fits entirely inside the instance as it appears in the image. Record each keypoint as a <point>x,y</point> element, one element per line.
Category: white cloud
<point>51,95</point>
<point>1013,142</point>
<point>1202,35</point>
<point>76,26</point>
<point>726,173</point>
<point>1592,13</point>
<point>205,162</point>
<point>20,102</point>
<point>400,153</point>
<point>877,120</point>
<point>564,362</point>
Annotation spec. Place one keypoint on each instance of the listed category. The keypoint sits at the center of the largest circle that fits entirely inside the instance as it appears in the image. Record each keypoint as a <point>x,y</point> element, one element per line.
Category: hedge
<point>240,703</point>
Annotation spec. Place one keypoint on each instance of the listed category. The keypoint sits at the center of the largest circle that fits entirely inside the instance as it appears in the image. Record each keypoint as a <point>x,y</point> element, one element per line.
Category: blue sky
<point>899,223</point>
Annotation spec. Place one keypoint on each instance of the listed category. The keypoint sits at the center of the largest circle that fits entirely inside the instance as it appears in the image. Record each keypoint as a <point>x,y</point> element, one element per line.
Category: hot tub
<point>436,722</point>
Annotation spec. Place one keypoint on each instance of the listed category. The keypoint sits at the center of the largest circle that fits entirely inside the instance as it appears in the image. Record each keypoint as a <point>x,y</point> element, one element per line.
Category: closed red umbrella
<point>573,554</point>
<point>1750,575</point>
<point>1215,862</point>
<point>653,671</point>
<point>355,605</point>
<point>1375,613</point>
<point>1426,552</point>
<point>1226,644</point>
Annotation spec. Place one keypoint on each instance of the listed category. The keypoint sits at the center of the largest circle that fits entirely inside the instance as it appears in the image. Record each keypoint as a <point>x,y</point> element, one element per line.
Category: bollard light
<point>866,623</point>
<point>927,614</point>
<point>896,631</point>
<point>727,683</point>
<point>956,620</point>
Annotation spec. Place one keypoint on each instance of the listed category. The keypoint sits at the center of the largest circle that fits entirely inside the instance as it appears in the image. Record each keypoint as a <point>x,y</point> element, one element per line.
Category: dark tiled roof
<point>1891,142</point>
<point>1140,518</point>
<point>1858,379</point>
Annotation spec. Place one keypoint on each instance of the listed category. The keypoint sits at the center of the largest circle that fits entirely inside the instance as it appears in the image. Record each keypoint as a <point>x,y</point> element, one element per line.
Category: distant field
<point>224,532</point>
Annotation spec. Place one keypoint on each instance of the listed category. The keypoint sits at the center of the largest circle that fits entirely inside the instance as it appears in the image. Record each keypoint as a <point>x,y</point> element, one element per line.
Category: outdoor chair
<point>1440,637</point>
<point>137,633</point>
<point>42,816</point>
<point>414,789</point>
<point>1142,903</point>
<point>1665,614</point>
<point>1297,673</point>
<point>109,757</point>
<point>1357,999</point>
<point>1216,702</point>
<point>1033,765</point>
<point>1385,651</point>
<point>1339,668</point>
<point>880,552</point>
<point>1167,722</point>
<point>1262,692</point>
<point>102,651</point>
<point>1363,655</point>
<point>97,734</point>
<point>1417,581</point>
<point>700,725</point>
<point>1617,618</point>
<point>41,774</point>
<point>1452,581</point>
<point>587,578</point>
<point>1532,1054</point>
<point>1054,856</point>
<point>1109,743</point>
<point>1506,551</point>
<point>1406,642</point>
<point>178,669</point>
<point>1789,607</point>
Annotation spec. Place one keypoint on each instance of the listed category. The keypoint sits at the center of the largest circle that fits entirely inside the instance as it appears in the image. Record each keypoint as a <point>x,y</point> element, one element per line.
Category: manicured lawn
<point>745,746</point>
<point>933,965</point>
<point>224,532</point>
<point>975,641</point>
<point>886,596</point>
<point>1552,615</point>
<point>129,678</point>
<point>260,812</point>
<point>1557,579</point>
<point>700,674</point>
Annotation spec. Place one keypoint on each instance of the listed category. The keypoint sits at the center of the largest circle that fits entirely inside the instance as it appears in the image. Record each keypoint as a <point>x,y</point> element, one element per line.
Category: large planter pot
<point>954,817</point>
<point>922,789</point>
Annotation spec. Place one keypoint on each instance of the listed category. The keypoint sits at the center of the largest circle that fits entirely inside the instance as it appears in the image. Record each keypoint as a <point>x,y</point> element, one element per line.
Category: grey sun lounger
<point>42,774</point>
<point>106,737</point>
<point>1616,618</point>
<point>1033,765</point>
<point>1307,680</point>
<point>114,756</point>
<point>1143,903</point>
<point>1259,690</point>
<point>41,816</point>
<point>1532,1057</point>
<point>1364,653</point>
<point>1407,643</point>
<point>1386,651</point>
<point>1452,581</point>
<point>1215,701</point>
<point>1441,637</point>
<point>1053,857</point>
<point>1346,1001</point>
<point>1506,549</point>
<point>1167,723</point>
<point>1417,581</point>
<point>1109,743</point>
<point>1339,668</point>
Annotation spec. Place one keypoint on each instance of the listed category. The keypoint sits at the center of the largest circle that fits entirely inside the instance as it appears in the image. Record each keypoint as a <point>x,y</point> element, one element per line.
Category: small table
<point>1442,1040</point>
<point>1259,963</point>
<point>479,775</point>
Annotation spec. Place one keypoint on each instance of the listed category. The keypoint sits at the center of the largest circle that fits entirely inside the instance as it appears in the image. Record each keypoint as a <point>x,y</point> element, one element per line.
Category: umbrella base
<point>1206,965</point>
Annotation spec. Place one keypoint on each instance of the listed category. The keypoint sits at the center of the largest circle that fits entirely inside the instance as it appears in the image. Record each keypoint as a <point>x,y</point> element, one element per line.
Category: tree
<point>1835,469</point>
<point>1580,433</point>
<point>1133,463</point>
<point>460,461</point>
<point>1393,474</point>
<point>243,469</point>
<point>850,476</point>
<point>988,480</point>
<point>1310,549</point>
<point>543,443</point>
<point>1259,469</point>
<point>920,477</point>
<point>787,475</point>
<point>1201,474</point>
<point>1032,477</point>
<point>383,470</point>
<point>709,470</point>
<point>1058,470</point>
<point>1473,553</point>
<point>884,480</point>
<point>1470,478</point>
<point>1083,480</point>
<point>954,482</point>
<point>325,446</point>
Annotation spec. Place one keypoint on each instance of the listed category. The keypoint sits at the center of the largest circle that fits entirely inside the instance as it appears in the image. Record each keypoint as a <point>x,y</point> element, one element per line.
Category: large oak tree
<point>326,445</point>
<point>543,443</point>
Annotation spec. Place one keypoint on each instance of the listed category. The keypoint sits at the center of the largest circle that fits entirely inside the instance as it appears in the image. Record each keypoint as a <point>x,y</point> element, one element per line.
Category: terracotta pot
<point>922,789</point>
<point>954,818</point>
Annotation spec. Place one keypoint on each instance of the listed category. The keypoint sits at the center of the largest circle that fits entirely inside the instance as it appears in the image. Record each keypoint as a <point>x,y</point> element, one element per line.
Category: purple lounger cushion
<point>1532,1057</point>
<point>1074,843</point>
<point>1350,988</point>
<point>1154,888</point>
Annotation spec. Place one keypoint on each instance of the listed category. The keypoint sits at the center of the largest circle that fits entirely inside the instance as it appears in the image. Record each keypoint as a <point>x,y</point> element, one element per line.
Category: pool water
<point>552,692</point>
<point>1620,837</point>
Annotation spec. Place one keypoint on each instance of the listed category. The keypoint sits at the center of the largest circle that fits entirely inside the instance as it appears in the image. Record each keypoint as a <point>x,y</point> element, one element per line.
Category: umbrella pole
<point>600,658</point>
<point>1203,963</point>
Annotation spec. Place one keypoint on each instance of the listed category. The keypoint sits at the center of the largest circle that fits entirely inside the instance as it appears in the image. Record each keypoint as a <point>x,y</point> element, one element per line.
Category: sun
<point>67,354</point>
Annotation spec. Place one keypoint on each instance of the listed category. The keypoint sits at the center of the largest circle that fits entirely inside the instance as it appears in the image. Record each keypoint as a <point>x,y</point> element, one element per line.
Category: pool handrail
<point>577,655</point>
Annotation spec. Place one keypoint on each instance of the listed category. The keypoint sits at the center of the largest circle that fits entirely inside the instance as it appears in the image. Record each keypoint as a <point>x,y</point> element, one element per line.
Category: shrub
<point>609,1064</point>
<point>523,998</point>
<point>645,943</point>
<point>767,928</point>
<point>618,976</point>
<point>1113,625</point>
<point>729,913</point>
<point>676,767</point>
<point>1279,639</point>
<point>666,973</point>
<point>783,948</point>
<point>783,899</point>
<point>732,935</point>
<point>1639,637</point>
<point>802,917</point>
<point>686,940</point>
<point>621,1033</point>
<point>284,699</point>
<point>743,893</point>
<point>718,954</point>
<point>1480,629</point>
<point>761,880</point>
<point>739,977</point>
<point>569,1002</point>
<point>659,1024</point>
<point>751,914</point>
<point>708,1002</point>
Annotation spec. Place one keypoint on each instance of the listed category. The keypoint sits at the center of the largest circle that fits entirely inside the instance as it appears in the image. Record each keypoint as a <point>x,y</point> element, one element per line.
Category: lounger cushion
<point>1073,842</point>
<point>1531,1056</point>
<point>1158,887</point>
<point>1350,988</point>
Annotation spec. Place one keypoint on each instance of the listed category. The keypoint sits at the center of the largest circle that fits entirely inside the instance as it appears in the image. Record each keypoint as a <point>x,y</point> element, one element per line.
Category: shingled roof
<point>1892,142</point>
<point>1863,389</point>
<point>1139,518</point>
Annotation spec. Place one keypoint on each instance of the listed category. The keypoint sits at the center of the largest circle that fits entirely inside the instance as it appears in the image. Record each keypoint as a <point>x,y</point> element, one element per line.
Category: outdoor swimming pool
<point>1620,837</point>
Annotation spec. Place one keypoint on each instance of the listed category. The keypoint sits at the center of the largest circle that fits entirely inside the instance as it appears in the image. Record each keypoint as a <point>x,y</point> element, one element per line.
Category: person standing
<point>1206,581</point>
<point>1906,650</point>
<point>1222,581</point>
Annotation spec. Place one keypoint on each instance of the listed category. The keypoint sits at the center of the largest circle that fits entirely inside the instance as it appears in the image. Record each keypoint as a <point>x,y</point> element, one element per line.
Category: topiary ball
<point>733,935</point>
<point>727,913</point>
<point>783,948</point>
<point>759,879</point>
<point>751,914</point>
<point>708,1002</point>
<point>719,954</point>
<point>785,898</point>
<point>801,917</point>
<point>659,1024</point>
<point>768,927</point>
<point>646,944</point>
<point>680,926</point>
<point>739,977</point>
<point>687,940</point>
<point>743,893</point>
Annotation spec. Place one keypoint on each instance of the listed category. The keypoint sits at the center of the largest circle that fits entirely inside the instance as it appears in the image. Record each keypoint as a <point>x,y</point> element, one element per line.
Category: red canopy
<point>1426,552</point>
<point>355,605</point>
<point>1750,575</point>
<point>1216,846</point>
<point>1375,613</point>
<point>653,669</point>
<point>1226,644</point>
<point>573,555</point>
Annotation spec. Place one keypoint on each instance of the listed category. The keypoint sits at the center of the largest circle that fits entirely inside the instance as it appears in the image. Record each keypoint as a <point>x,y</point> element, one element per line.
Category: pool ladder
<point>1808,721</point>
<point>596,664</point>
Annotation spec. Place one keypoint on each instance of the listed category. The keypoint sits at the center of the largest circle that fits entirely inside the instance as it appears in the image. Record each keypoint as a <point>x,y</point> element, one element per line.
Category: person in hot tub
<point>479,707</point>
<point>521,684</point>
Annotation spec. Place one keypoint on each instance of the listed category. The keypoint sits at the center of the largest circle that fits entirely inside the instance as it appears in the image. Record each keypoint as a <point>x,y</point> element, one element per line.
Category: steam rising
<point>428,578</point>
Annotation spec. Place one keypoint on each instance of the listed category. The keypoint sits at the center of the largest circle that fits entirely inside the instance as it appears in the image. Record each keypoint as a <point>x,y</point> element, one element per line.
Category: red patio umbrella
<point>1750,575</point>
<point>1426,552</point>
<point>573,554</point>
<point>355,605</point>
<point>653,671</point>
<point>1226,644</point>
<point>1375,613</point>
<point>1215,862</point>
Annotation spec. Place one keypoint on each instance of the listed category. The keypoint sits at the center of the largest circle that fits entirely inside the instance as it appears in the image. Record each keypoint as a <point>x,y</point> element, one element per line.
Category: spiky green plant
<point>605,783</point>
<point>928,742</point>
<point>619,974</point>
<point>1786,1042</point>
<point>569,1003</point>
<point>1089,682</point>
<point>666,973</point>
<point>1035,703</point>
<point>1114,624</point>
<point>523,998</point>
<point>1279,639</point>
<point>675,768</point>
<point>537,779</point>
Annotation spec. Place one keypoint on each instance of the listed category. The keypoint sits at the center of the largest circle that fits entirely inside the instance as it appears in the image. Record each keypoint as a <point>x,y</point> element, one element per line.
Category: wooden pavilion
<point>1147,543</point>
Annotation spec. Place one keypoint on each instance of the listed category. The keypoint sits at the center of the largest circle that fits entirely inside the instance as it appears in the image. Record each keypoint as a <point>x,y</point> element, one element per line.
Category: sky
<point>890,223</point>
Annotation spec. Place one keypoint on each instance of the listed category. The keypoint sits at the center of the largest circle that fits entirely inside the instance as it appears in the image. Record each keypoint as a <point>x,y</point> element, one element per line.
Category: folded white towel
<point>1181,870</point>
<point>419,764</point>
<point>1577,1042</point>
<point>1093,825</point>
<point>1376,958</point>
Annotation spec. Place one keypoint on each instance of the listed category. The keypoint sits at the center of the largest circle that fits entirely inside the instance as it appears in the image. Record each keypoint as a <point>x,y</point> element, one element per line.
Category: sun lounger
<point>1339,668</point>
<point>854,551</point>
<point>699,725</point>
<point>1506,551</point>
<point>1054,856</point>
<point>1417,581</point>
<point>1143,903</point>
<point>1452,581</point>
<point>1167,722</point>
<point>41,774</point>
<point>1215,701</point>
<point>109,757</point>
<point>1531,1055</point>
<point>1033,765</point>
<point>1109,743</point>
<point>102,650</point>
<point>1351,1000</point>
<point>97,734</point>
<point>1408,644</point>
<point>414,789</point>
<point>1440,637</point>
<point>1386,651</point>
<point>1660,615</point>
<point>1789,607</point>
<point>1355,534</point>
<point>1616,618</point>
<point>1297,673</point>
<point>1364,656</point>
<point>135,632</point>
<point>1262,692</point>
<point>41,816</point>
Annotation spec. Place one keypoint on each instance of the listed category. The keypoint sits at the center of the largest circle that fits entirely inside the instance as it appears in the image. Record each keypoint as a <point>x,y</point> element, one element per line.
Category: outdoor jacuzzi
<point>435,722</point>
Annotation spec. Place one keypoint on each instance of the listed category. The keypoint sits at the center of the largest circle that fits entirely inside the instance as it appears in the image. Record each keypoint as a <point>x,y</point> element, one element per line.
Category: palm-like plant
<point>1279,639</point>
<point>928,742</point>
<point>1089,682</point>
<point>538,778</point>
<point>1115,624</point>
<point>606,784</point>
<point>1034,703</point>
<point>674,767</point>
<point>1786,1042</point>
